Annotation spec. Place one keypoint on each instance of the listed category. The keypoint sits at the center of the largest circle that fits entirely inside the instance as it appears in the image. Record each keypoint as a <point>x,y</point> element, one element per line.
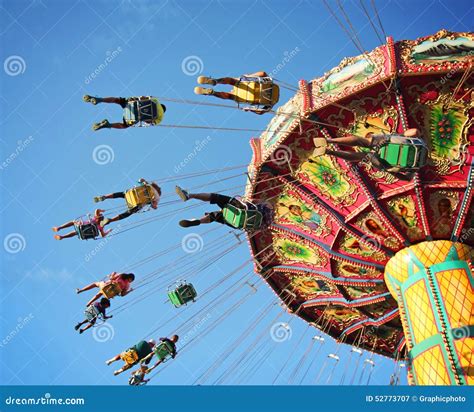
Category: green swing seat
<point>163,350</point>
<point>242,215</point>
<point>409,154</point>
<point>182,294</point>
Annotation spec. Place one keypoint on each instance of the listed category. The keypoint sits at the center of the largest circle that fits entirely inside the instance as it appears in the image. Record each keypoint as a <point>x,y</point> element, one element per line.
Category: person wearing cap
<point>140,352</point>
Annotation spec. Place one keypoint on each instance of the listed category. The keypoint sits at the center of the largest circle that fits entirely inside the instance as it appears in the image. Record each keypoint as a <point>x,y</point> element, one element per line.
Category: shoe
<point>55,229</point>
<point>98,199</point>
<point>206,80</point>
<point>116,373</point>
<point>108,362</point>
<point>203,91</point>
<point>320,142</point>
<point>183,194</point>
<point>104,124</point>
<point>57,237</point>
<point>189,223</point>
<point>89,99</point>
<point>81,331</point>
<point>319,151</point>
<point>77,326</point>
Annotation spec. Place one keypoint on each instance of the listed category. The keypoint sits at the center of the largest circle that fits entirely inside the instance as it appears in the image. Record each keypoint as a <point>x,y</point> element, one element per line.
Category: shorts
<point>220,200</point>
<point>375,160</point>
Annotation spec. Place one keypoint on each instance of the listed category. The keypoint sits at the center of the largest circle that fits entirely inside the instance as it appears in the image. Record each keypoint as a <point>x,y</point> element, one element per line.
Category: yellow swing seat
<point>139,196</point>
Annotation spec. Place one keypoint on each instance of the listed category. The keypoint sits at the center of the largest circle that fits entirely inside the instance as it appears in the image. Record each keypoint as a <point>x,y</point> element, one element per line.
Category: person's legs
<point>66,236</point>
<point>68,224</point>
<point>116,195</point>
<point>87,327</point>
<point>123,369</point>
<point>88,287</point>
<point>224,95</point>
<point>227,80</point>
<point>97,296</point>
<point>350,156</point>
<point>114,359</point>
<point>350,141</point>
<point>80,324</point>
<point>121,216</point>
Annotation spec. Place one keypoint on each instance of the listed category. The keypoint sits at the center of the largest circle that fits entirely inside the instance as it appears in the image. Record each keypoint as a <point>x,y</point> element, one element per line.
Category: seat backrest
<point>139,196</point>
<point>405,153</point>
<point>163,350</point>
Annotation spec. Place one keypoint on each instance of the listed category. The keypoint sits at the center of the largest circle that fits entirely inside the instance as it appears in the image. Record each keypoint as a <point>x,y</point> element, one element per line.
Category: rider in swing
<point>225,203</point>
<point>256,90</point>
<point>373,142</point>
<point>151,111</point>
<point>155,198</point>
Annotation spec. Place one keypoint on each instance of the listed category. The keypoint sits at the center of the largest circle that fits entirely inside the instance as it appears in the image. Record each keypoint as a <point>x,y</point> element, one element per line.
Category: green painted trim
<point>436,340</point>
<point>426,344</point>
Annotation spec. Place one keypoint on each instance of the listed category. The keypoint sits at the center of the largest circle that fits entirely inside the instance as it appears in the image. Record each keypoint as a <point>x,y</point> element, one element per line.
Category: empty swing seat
<point>182,294</point>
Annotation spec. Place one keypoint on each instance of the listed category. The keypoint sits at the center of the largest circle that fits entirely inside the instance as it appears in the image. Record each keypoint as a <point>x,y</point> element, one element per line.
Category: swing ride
<point>363,256</point>
<point>369,259</point>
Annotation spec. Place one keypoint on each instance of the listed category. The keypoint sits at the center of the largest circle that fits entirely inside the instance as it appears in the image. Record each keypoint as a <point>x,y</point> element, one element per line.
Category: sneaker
<point>203,91</point>
<point>77,326</point>
<point>320,142</point>
<point>319,151</point>
<point>206,80</point>
<point>108,362</point>
<point>98,199</point>
<point>89,99</point>
<point>104,124</point>
<point>183,194</point>
<point>189,223</point>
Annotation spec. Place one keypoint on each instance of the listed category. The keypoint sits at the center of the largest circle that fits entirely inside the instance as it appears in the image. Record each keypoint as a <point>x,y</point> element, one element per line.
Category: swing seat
<point>163,350</point>
<point>256,93</point>
<point>86,230</point>
<point>138,112</point>
<point>182,294</point>
<point>409,154</point>
<point>139,196</point>
<point>246,216</point>
<point>110,290</point>
<point>92,314</point>
<point>130,357</point>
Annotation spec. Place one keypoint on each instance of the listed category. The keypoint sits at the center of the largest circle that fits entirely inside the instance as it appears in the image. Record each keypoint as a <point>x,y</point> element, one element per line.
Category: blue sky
<point>49,176</point>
